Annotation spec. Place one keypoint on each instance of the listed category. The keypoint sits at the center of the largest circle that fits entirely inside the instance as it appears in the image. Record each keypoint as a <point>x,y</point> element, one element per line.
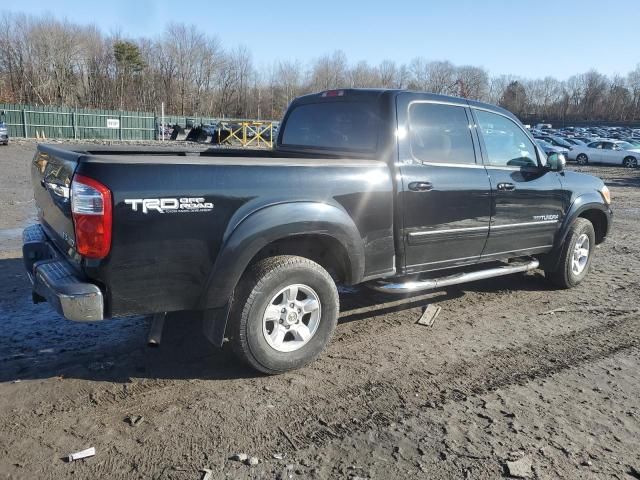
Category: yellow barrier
<point>247,133</point>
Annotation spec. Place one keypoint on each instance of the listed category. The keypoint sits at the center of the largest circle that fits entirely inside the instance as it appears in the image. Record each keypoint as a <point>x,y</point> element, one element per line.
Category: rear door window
<point>440,134</point>
<point>333,125</point>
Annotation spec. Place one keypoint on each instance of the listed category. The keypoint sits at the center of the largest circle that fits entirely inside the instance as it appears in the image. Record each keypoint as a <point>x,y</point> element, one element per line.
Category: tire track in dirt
<point>497,369</point>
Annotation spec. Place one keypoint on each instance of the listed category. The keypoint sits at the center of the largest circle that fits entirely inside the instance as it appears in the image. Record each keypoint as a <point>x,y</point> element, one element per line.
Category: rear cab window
<point>334,125</point>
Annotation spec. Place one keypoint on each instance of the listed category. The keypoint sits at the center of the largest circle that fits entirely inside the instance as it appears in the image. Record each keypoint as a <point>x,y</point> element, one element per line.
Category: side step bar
<point>455,279</point>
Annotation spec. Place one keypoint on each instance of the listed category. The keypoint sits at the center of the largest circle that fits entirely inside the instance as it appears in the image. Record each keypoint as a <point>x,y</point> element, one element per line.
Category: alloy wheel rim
<point>580,254</point>
<point>291,318</point>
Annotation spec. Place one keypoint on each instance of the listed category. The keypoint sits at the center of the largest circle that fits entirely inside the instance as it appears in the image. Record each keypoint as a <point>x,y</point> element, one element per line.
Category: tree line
<point>46,61</point>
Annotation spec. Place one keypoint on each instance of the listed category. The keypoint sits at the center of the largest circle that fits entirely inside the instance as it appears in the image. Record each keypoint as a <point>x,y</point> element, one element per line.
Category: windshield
<point>561,141</point>
<point>335,125</point>
<point>624,145</point>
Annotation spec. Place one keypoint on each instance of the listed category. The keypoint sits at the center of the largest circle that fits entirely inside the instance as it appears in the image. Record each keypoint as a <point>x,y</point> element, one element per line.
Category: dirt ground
<point>512,370</point>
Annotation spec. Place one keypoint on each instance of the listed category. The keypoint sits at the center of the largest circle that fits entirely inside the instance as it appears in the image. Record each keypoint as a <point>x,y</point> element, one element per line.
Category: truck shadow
<point>37,343</point>
<point>361,302</point>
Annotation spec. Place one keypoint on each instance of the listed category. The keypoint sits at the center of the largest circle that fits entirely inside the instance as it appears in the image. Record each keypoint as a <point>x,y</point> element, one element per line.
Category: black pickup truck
<point>405,191</point>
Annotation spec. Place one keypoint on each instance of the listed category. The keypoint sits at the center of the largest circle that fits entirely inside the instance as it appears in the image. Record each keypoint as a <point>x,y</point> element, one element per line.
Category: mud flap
<point>550,261</point>
<point>214,323</point>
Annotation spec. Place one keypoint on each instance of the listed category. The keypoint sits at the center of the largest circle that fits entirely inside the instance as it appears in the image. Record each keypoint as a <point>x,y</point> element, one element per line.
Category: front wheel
<point>285,311</point>
<point>582,159</point>
<point>575,259</point>
<point>630,162</point>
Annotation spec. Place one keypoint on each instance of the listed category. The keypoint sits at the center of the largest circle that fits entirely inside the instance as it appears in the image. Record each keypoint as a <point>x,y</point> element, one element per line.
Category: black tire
<point>582,159</point>
<point>253,295</point>
<point>564,276</point>
<point>630,162</point>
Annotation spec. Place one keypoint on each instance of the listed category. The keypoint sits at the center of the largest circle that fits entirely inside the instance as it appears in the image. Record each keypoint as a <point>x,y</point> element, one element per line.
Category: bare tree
<point>48,61</point>
<point>329,72</point>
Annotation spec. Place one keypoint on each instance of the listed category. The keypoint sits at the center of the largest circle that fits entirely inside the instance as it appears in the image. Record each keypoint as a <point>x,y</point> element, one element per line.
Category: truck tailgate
<point>51,174</point>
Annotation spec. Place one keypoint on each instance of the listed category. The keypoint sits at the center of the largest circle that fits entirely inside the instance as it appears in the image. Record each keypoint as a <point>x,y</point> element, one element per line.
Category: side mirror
<point>556,162</point>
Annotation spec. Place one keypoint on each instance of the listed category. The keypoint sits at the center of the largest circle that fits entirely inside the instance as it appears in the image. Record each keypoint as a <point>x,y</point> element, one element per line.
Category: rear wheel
<point>575,259</point>
<point>582,159</point>
<point>284,314</point>
<point>630,162</point>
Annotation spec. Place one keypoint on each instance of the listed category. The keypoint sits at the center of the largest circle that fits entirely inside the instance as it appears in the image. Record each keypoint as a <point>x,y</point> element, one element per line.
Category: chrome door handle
<point>506,187</point>
<point>420,186</point>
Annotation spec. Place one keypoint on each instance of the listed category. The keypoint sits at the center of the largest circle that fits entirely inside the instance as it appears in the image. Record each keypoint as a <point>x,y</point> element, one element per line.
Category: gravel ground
<point>514,377</point>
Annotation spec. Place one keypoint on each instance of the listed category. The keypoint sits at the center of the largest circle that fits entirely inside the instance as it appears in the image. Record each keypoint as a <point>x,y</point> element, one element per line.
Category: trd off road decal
<point>169,205</point>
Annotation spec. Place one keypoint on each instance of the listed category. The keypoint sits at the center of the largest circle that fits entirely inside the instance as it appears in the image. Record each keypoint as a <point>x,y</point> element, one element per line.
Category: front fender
<point>581,204</point>
<point>277,222</point>
<point>586,201</point>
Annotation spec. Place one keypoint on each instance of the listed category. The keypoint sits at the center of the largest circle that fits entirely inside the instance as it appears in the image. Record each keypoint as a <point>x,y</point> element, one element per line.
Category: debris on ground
<point>519,468</point>
<point>252,461</point>
<point>89,452</point>
<point>207,474</point>
<point>429,315</point>
<point>554,311</point>
<point>134,420</point>
<point>278,456</point>
<point>239,457</point>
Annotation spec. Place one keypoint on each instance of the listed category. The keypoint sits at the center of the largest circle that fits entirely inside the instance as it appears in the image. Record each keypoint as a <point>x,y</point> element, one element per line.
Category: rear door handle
<point>420,186</point>
<point>506,187</point>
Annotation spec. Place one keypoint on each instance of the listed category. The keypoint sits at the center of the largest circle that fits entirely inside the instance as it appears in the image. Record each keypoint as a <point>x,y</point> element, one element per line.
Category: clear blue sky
<point>527,38</point>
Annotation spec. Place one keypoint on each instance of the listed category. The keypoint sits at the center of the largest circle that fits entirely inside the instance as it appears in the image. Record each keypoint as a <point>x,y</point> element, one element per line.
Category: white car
<point>612,152</point>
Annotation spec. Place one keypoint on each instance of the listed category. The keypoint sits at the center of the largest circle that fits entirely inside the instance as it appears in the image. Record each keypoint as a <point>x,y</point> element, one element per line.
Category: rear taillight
<point>91,209</point>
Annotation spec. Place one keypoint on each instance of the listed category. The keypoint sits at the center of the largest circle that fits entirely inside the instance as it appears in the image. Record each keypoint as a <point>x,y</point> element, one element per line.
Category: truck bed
<point>163,261</point>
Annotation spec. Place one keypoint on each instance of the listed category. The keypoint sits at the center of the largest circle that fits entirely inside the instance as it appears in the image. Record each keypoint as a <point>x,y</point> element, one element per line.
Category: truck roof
<point>353,93</point>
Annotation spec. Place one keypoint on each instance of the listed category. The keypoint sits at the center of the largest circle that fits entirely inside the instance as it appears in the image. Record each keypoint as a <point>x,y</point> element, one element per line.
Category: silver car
<point>611,152</point>
<point>4,134</point>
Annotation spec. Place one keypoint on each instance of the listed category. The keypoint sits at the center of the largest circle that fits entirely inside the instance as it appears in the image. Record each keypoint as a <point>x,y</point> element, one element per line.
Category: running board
<point>431,283</point>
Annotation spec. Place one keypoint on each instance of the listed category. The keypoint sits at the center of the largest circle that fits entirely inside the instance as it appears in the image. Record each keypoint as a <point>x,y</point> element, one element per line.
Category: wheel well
<point>599,221</point>
<point>322,249</point>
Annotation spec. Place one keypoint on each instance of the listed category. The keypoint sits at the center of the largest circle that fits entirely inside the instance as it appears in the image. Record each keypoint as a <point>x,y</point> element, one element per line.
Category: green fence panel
<point>38,121</point>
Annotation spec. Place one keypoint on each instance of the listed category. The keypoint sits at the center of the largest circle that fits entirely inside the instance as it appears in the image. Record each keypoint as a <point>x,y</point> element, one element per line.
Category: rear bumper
<point>54,280</point>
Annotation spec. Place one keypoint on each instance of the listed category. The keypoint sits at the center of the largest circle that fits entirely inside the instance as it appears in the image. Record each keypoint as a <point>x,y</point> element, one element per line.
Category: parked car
<point>556,141</point>
<point>576,141</point>
<point>4,134</point>
<point>612,152</point>
<point>549,149</point>
<point>633,141</point>
<point>404,191</point>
